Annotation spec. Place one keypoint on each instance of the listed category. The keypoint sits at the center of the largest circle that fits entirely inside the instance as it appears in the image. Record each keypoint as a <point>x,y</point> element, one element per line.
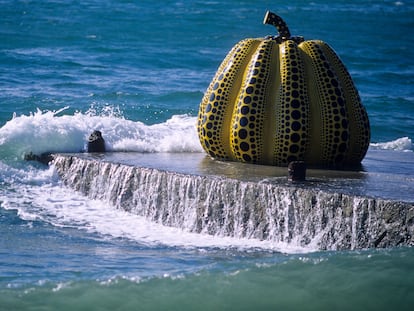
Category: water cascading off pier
<point>332,210</point>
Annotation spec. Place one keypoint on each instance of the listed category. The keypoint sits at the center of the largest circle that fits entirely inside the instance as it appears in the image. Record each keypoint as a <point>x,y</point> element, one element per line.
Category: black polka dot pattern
<point>333,135</point>
<point>217,105</point>
<point>248,117</point>
<point>293,107</point>
<point>274,101</point>
<point>358,119</point>
<point>279,23</point>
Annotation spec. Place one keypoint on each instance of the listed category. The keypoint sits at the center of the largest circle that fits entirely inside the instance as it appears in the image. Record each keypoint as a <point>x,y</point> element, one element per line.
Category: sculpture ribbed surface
<point>275,100</point>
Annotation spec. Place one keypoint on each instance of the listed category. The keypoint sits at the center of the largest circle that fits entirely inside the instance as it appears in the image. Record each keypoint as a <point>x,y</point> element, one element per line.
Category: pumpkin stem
<point>275,20</point>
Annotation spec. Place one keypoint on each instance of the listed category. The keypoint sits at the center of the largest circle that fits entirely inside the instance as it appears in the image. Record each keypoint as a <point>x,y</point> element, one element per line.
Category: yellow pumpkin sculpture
<point>279,99</point>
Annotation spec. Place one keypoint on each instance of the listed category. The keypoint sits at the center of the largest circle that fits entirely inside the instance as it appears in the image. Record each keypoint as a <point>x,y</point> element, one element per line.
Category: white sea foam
<point>400,144</point>
<point>49,131</point>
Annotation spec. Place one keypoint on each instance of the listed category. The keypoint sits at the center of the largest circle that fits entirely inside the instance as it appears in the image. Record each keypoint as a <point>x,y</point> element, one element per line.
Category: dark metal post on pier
<point>297,171</point>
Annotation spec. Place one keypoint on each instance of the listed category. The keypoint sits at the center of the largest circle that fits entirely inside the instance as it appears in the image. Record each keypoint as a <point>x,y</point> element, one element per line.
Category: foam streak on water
<point>400,144</point>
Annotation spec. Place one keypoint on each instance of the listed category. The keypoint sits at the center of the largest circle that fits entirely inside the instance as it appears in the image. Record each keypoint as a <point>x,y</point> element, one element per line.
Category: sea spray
<point>49,131</point>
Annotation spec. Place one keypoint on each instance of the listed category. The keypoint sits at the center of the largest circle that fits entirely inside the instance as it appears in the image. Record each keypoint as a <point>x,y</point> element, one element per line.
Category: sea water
<point>137,70</point>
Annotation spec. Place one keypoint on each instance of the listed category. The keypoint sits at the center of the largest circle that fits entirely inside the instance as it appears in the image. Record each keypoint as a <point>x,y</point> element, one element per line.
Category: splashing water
<point>49,131</point>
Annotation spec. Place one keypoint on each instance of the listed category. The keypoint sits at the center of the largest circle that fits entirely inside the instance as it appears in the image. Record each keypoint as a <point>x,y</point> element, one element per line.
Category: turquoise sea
<point>137,70</point>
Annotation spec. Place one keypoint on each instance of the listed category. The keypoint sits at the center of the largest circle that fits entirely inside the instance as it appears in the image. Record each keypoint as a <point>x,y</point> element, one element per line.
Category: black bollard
<point>96,143</point>
<point>44,158</point>
<point>297,171</point>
